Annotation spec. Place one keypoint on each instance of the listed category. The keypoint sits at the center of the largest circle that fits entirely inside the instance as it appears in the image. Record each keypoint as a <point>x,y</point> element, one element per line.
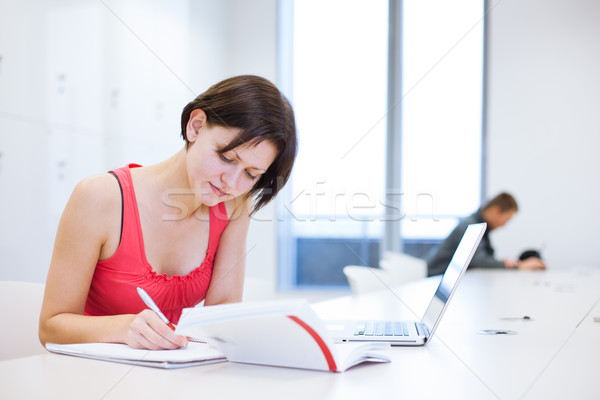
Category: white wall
<point>543,121</point>
<point>23,130</point>
<point>544,126</point>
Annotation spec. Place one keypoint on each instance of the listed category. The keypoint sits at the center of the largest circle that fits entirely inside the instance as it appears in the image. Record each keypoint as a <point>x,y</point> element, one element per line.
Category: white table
<point>555,352</point>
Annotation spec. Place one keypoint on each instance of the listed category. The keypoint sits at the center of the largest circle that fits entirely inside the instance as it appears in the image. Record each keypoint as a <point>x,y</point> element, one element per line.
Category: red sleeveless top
<point>113,288</point>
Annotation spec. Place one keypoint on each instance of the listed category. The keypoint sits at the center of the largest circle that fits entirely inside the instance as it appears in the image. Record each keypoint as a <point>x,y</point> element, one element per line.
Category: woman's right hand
<point>148,331</point>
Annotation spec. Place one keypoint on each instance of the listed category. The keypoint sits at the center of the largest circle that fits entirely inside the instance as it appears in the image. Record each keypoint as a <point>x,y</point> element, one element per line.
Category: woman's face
<point>216,177</point>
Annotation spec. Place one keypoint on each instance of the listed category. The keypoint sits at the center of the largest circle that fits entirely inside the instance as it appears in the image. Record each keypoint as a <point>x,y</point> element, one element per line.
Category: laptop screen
<point>457,267</point>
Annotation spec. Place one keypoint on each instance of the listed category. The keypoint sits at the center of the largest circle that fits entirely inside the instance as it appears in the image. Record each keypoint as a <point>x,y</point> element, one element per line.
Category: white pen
<point>150,303</point>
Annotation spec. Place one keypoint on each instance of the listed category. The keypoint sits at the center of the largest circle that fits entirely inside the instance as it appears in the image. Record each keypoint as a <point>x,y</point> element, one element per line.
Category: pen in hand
<point>150,303</point>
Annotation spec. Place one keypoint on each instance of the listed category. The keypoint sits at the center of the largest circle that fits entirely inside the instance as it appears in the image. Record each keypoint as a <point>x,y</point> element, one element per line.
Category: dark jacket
<point>483,257</point>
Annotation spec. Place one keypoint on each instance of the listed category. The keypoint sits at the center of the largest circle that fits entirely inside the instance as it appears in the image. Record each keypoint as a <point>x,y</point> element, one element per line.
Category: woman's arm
<point>227,282</point>
<point>86,231</point>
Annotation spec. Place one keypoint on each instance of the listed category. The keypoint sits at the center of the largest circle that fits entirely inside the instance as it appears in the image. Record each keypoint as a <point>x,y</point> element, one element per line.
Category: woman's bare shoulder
<point>92,215</point>
<point>98,191</point>
<point>96,204</point>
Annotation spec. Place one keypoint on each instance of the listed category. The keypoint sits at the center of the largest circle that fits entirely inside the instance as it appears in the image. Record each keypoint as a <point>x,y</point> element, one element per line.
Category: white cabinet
<point>74,109</point>
<point>88,86</point>
<point>85,87</point>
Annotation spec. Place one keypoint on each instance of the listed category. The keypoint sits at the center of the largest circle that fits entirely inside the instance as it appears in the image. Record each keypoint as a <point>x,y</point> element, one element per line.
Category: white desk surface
<point>555,354</point>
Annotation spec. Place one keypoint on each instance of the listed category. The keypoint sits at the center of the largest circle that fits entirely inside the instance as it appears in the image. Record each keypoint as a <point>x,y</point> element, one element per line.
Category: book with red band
<point>285,333</point>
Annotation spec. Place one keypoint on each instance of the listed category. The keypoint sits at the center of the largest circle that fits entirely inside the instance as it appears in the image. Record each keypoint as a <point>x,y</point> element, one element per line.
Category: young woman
<point>177,229</point>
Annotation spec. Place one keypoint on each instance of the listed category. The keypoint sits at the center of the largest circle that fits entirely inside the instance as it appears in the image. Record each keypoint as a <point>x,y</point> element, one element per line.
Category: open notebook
<point>193,354</point>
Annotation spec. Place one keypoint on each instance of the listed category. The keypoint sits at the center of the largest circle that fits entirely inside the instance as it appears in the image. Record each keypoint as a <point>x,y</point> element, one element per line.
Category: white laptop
<point>414,333</point>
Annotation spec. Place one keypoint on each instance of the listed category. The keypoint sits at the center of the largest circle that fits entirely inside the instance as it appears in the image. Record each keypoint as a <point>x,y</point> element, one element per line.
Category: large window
<point>335,58</point>
<point>442,67</point>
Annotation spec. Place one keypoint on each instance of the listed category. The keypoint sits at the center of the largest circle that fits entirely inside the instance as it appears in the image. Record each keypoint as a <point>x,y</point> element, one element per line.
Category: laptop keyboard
<point>385,328</point>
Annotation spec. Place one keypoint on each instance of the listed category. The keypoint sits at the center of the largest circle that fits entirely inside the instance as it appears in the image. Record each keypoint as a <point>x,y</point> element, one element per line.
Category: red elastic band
<point>319,340</point>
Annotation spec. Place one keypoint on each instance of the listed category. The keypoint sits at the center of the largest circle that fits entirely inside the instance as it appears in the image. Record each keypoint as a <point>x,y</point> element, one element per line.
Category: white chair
<point>367,279</point>
<point>20,305</point>
<point>403,267</point>
<point>396,269</point>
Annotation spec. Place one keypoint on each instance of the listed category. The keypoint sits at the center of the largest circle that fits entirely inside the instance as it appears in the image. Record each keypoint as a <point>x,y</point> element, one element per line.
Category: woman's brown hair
<point>260,111</point>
